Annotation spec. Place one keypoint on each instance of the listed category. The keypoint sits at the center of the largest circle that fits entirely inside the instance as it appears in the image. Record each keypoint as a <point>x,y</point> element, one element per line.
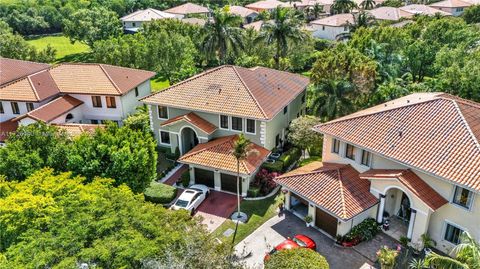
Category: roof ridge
<point>218,140</point>
<point>342,194</point>
<point>33,88</point>
<point>249,91</point>
<point>466,124</point>
<point>317,171</point>
<point>111,80</point>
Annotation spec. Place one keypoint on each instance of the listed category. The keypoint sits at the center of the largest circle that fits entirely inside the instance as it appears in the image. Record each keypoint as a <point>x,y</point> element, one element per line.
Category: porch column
<point>381,208</point>
<point>192,175</point>
<point>311,211</point>
<point>287,200</point>
<point>411,223</point>
<point>217,180</point>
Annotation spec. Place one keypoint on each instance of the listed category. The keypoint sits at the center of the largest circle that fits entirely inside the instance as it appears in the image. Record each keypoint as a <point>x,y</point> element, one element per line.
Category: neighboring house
<point>70,93</point>
<point>194,21</point>
<point>415,159</point>
<point>332,27</point>
<point>220,103</point>
<point>257,26</point>
<point>389,14</point>
<point>248,15</point>
<point>267,5</point>
<point>306,4</point>
<point>455,7</point>
<point>423,10</point>
<point>188,9</point>
<point>132,22</point>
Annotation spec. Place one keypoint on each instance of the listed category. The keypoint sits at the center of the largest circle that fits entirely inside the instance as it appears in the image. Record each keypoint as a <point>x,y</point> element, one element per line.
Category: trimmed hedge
<point>185,178</point>
<point>160,193</point>
<point>253,191</point>
<point>290,156</point>
<point>277,166</point>
<point>298,258</point>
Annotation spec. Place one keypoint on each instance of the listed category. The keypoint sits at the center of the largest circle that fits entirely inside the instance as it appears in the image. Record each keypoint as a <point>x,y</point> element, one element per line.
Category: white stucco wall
<point>8,113</point>
<point>328,32</point>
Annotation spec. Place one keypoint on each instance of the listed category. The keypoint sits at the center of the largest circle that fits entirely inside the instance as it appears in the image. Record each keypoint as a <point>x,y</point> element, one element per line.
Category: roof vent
<point>408,101</point>
<point>400,133</point>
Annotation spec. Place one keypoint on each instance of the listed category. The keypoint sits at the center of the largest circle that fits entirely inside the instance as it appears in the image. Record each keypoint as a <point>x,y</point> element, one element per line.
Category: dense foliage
<point>126,155</point>
<point>301,133</point>
<point>160,193</point>
<point>61,221</point>
<point>299,258</point>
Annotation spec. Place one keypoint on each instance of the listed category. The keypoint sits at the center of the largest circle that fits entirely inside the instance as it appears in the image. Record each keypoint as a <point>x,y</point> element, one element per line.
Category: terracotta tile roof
<point>76,129</point>
<point>389,13</point>
<point>195,120</point>
<point>423,10</point>
<point>311,3</point>
<point>412,182</point>
<point>241,11</point>
<point>258,93</point>
<point>218,154</point>
<point>335,20</point>
<point>53,109</point>
<point>336,188</point>
<point>435,133</point>
<point>11,69</point>
<point>451,3</point>
<point>147,15</point>
<point>256,25</point>
<point>267,4</point>
<point>187,8</point>
<point>7,127</point>
<point>194,21</point>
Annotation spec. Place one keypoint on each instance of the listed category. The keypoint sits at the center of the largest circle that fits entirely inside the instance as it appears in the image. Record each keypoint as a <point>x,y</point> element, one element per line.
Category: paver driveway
<point>216,209</point>
<point>275,230</point>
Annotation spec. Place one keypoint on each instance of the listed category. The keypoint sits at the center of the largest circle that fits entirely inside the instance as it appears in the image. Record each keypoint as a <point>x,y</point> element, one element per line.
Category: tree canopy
<point>301,134</point>
<point>57,220</point>
<point>299,258</point>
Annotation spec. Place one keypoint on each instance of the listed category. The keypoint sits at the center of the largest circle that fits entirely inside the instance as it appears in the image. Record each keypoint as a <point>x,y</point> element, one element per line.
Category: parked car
<point>298,241</point>
<point>191,198</point>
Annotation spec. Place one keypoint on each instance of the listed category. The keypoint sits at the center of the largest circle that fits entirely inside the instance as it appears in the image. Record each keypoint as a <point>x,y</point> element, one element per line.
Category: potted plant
<point>387,257</point>
<point>308,220</point>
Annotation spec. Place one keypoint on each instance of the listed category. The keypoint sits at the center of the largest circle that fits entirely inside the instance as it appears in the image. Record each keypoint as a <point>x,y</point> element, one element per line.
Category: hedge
<point>277,166</point>
<point>298,258</point>
<point>290,157</point>
<point>160,193</point>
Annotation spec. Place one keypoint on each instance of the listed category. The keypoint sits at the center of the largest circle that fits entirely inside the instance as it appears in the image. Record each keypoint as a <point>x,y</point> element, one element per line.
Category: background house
<point>247,14</point>
<point>454,7</point>
<point>132,22</point>
<point>332,27</point>
<point>188,9</point>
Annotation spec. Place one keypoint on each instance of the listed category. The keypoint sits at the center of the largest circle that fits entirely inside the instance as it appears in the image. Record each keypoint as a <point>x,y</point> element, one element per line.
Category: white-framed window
<point>164,138</point>
<point>1,108</point>
<point>350,152</point>
<point>15,108</point>
<point>97,101</point>
<point>224,122</point>
<point>303,99</point>
<point>459,9</point>
<point>462,197</point>
<point>29,106</point>
<point>323,27</point>
<point>336,146</point>
<point>136,91</point>
<point>111,102</point>
<point>162,112</point>
<point>250,126</point>
<point>285,109</point>
<point>452,233</point>
<point>366,157</point>
<point>237,124</point>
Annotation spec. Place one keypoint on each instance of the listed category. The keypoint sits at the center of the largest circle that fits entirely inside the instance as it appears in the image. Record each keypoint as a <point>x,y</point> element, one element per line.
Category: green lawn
<point>65,51</point>
<point>309,160</point>
<point>258,212</point>
<point>158,84</point>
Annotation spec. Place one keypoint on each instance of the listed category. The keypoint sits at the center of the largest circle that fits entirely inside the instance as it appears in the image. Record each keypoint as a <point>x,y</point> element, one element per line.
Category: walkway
<point>177,175</point>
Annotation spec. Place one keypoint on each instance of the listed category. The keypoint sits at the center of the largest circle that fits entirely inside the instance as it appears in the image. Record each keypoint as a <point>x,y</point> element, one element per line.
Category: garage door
<point>229,183</point>
<point>326,222</point>
<point>204,177</point>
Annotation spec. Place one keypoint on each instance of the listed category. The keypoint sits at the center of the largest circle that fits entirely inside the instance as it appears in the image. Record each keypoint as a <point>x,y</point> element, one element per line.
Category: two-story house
<point>197,114</point>
<point>68,93</point>
<point>414,160</point>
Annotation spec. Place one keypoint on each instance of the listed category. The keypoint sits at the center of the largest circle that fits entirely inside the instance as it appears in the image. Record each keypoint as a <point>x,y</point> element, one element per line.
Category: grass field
<point>66,51</point>
<point>158,84</point>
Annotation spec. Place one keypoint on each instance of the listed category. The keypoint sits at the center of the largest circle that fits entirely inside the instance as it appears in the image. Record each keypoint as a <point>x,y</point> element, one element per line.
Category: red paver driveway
<point>216,209</point>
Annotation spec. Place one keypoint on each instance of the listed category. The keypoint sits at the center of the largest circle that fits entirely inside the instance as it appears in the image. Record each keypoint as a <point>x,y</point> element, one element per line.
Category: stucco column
<point>287,200</point>
<point>381,208</point>
<point>245,185</point>
<point>217,180</point>
<point>411,223</point>
<point>311,211</point>
<point>192,175</point>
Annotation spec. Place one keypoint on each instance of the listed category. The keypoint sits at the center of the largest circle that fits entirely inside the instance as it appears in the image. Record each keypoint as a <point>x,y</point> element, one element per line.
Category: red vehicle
<point>298,241</point>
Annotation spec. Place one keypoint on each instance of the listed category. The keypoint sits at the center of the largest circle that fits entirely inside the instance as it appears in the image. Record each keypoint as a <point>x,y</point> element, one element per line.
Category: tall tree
<point>466,255</point>
<point>367,4</point>
<point>302,135</point>
<point>284,28</point>
<point>315,11</point>
<point>342,6</point>
<point>330,99</point>
<point>222,36</point>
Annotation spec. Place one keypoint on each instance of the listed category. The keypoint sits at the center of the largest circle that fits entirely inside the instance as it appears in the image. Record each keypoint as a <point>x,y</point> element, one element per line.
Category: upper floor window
<point>452,234</point>
<point>164,137</point>
<point>463,197</point>
<point>15,108</point>
<point>29,106</point>
<point>134,24</point>
<point>277,140</point>
<point>349,152</point>
<point>237,124</point>
<point>336,146</point>
<point>459,9</point>
<point>250,126</point>
<point>303,99</point>
<point>345,28</point>
<point>1,108</point>
<point>136,91</point>
<point>97,101</point>
<point>285,109</point>
<point>162,112</point>
<point>323,27</point>
<point>223,122</point>
<point>111,102</point>
<point>366,157</point>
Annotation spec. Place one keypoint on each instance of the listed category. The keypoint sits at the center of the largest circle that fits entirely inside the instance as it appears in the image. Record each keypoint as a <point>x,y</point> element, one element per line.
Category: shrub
<point>277,166</point>
<point>298,258</point>
<point>160,193</point>
<point>289,157</point>
<point>264,181</point>
<point>253,191</point>
<point>387,257</point>
<point>364,231</point>
<point>186,178</point>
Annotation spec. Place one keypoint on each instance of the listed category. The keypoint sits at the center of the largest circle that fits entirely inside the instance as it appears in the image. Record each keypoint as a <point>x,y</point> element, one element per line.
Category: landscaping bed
<point>364,231</point>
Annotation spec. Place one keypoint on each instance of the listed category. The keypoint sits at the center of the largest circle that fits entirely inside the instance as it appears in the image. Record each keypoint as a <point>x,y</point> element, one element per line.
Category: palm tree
<point>367,4</point>
<point>342,6</point>
<point>315,11</point>
<point>223,35</point>
<point>467,255</point>
<point>285,28</point>
<point>361,19</point>
<point>332,99</point>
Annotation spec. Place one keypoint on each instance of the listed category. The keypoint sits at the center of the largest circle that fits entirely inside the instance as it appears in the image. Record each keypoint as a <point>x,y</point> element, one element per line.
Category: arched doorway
<point>398,212</point>
<point>69,117</point>
<point>188,138</point>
